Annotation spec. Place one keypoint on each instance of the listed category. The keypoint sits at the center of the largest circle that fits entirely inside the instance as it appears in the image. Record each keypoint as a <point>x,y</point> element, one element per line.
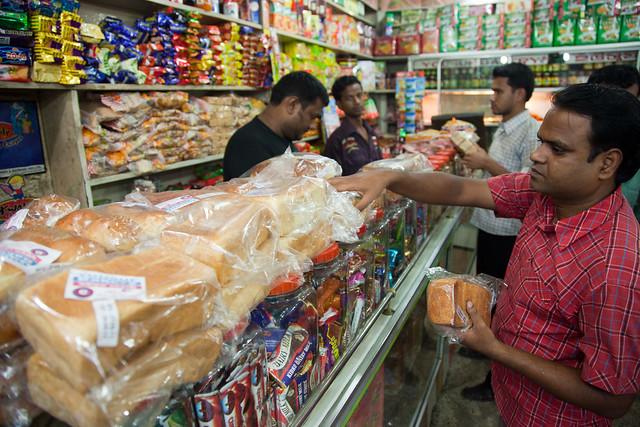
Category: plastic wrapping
<point>31,250</point>
<point>301,205</point>
<point>16,406</point>
<point>447,296</point>
<point>85,321</point>
<point>134,393</point>
<point>297,164</point>
<point>118,226</point>
<point>404,162</point>
<point>44,210</point>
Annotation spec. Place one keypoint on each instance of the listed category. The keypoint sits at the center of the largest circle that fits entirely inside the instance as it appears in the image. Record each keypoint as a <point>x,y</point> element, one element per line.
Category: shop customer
<point>354,143</point>
<point>296,101</point>
<point>627,78</point>
<point>564,341</point>
<point>514,141</point>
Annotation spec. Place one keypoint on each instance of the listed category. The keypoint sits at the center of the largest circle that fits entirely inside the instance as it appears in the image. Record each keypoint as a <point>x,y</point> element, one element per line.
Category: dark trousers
<point>494,253</point>
<point>493,257</point>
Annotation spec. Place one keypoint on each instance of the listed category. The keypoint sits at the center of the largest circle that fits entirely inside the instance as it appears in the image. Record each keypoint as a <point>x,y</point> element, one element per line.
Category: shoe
<point>480,393</point>
<point>471,354</point>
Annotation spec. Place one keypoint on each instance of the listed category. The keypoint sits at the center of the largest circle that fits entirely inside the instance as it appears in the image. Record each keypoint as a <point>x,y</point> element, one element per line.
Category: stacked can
<point>289,320</point>
<point>329,279</point>
<point>235,393</point>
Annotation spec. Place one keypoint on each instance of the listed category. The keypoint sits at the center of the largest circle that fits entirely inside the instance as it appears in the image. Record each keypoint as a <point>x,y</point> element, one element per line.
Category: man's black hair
<point>615,121</point>
<point>341,84</point>
<point>623,76</point>
<point>519,76</point>
<point>301,84</point>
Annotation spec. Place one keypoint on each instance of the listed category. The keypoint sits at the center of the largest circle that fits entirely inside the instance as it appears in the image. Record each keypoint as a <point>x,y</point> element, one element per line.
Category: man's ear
<point>610,162</point>
<point>520,94</point>
<point>291,103</point>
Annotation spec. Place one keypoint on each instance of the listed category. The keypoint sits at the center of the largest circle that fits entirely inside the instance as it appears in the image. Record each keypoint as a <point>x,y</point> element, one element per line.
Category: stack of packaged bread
<point>120,304</point>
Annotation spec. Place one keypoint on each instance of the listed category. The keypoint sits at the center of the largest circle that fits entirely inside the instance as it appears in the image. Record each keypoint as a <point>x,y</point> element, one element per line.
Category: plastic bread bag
<point>44,210</point>
<point>241,372</point>
<point>135,391</point>
<point>404,162</point>
<point>32,250</point>
<point>85,320</point>
<point>447,296</point>
<point>118,226</point>
<point>466,141</point>
<point>238,238</point>
<point>295,165</point>
<point>16,406</point>
<point>301,205</point>
<point>458,125</point>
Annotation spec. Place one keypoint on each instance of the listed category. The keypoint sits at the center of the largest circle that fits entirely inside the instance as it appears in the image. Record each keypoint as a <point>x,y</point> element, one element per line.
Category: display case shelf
<point>94,182</point>
<point>124,87</point>
<point>333,400</point>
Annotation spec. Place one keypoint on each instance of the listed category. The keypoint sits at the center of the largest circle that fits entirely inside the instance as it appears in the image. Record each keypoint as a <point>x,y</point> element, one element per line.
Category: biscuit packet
<point>447,296</point>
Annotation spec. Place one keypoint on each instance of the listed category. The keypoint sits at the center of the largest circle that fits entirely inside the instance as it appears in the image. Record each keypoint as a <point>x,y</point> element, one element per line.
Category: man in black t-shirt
<point>296,101</point>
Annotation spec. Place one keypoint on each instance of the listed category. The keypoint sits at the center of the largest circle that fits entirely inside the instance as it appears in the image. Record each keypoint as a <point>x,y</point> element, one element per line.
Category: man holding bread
<point>564,341</point>
<point>296,101</point>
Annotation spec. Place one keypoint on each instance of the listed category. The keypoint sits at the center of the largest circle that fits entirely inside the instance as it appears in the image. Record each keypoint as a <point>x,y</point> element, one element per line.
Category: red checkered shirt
<point>573,297</point>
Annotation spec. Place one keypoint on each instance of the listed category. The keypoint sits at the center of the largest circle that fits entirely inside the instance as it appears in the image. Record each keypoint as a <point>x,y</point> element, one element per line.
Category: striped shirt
<point>513,143</point>
<point>573,297</point>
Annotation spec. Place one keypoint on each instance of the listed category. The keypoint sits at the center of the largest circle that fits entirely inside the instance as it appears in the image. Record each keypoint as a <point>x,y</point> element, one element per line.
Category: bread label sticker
<point>16,220</point>
<point>84,285</point>
<point>176,203</point>
<point>207,195</point>
<point>461,314</point>
<point>107,321</point>
<point>27,256</point>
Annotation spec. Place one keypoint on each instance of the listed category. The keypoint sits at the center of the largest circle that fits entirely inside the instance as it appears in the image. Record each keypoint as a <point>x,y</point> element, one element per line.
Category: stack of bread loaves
<point>162,277</point>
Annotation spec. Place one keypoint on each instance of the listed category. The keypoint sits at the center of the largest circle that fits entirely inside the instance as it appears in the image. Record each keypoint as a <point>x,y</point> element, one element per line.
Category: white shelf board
<point>343,9</point>
<point>296,37</point>
<point>392,58</point>
<point>94,182</point>
<point>379,91</point>
<point>124,87</point>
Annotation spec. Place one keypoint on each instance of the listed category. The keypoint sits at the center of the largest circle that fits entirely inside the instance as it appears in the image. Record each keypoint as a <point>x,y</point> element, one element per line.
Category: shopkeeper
<point>296,101</point>
<point>354,143</point>
<point>564,342</point>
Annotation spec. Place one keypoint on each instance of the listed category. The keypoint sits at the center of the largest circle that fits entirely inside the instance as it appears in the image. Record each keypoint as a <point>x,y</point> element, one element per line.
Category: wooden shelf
<point>380,91</point>
<point>94,182</point>
<point>295,37</point>
<point>343,9</point>
<point>125,87</point>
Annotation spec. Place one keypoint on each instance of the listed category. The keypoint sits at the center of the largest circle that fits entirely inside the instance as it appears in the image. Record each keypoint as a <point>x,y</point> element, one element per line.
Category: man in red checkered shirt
<point>565,339</point>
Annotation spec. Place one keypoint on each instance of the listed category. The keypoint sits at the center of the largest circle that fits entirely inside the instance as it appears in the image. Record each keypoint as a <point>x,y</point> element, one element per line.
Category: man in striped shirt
<point>565,339</point>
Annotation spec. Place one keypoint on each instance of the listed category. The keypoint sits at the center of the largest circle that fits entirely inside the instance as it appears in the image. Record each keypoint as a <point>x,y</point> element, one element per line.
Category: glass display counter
<point>397,366</point>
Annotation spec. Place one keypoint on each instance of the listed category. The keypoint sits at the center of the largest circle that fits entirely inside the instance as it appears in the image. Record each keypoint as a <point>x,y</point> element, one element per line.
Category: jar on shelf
<point>231,8</point>
<point>396,219</point>
<point>378,234</point>
<point>359,257</point>
<point>410,235</point>
<point>329,278</point>
<point>288,317</point>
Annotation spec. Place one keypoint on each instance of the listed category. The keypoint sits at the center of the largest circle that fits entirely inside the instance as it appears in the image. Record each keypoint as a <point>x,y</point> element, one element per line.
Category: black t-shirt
<point>250,145</point>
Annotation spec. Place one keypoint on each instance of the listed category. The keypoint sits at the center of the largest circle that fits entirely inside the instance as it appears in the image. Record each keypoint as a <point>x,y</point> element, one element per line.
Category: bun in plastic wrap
<point>44,210</point>
<point>138,388</point>
<point>180,293</point>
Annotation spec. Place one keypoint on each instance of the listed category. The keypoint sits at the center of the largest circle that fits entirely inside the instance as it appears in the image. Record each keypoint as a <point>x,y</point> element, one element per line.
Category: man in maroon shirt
<point>565,340</point>
<point>354,143</point>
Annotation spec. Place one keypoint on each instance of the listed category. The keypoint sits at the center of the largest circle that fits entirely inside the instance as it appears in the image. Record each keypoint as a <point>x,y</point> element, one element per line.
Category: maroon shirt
<point>573,297</point>
<point>349,148</point>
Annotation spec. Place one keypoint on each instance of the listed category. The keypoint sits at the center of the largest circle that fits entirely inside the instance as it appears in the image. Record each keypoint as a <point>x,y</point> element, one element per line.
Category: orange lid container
<point>289,284</point>
<point>328,254</point>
